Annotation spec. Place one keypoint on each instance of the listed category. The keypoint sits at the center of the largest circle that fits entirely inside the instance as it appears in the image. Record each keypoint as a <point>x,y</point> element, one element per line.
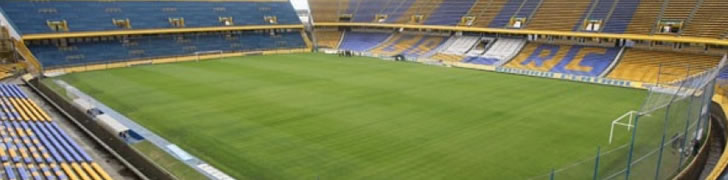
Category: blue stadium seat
<point>161,46</point>
<point>30,17</point>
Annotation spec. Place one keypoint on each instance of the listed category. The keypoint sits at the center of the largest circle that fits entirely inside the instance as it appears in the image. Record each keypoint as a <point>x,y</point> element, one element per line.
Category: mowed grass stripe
<point>303,116</point>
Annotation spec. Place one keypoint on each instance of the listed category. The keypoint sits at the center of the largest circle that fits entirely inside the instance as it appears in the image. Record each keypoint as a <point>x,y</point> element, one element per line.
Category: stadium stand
<point>455,48</point>
<point>660,67</point>
<point>578,60</point>
<point>644,18</point>
<point>325,11</point>
<point>366,11</point>
<point>679,9</point>
<point>459,45</point>
<point>598,11</point>
<point>34,147</point>
<point>151,46</point>
<point>559,15</point>
<point>500,52</point>
<point>620,17</point>
<point>396,10</point>
<point>710,20</point>
<point>409,45</point>
<point>328,38</point>
<point>485,11</point>
<point>31,16</point>
<point>362,41</point>
<point>514,8</point>
<point>450,12</point>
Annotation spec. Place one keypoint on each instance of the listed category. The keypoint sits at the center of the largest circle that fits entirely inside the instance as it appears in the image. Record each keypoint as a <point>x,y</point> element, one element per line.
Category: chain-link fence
<point>660,139</point>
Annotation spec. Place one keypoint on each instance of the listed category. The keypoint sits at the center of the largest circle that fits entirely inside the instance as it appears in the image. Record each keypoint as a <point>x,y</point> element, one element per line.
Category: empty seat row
<point>328,39</point>
<point>502,50</point>
<point>31,17</point>
<point>609,16</point>
<point>34,147</point>
<point>413,45</point>
<point>157,46</point>
<point>577,60</point>
<point>362,41</point>
<point>661,67</point>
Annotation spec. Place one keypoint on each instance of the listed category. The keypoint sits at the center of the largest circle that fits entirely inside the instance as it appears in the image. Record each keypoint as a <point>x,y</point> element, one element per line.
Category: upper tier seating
<point>578,60</point>
<point>559,15</point>
<point>710,20</point>
<point>616,16</point>
<point>667,67</point>
<point>500,52</point>
<point>450,13</point>
<point>644,18</point>
<point>366,10</point>
<point>621,16</point>
<point>517,8</point>
<point>35,147</point>
<point>421,7</point>
<point>327,10</point>
<point>679,9</point>
<point>408,45</point>
<point>328,39</point>
<point>362,41</point>
<point>600,10</point>
<point>396,9</point>
<point>155,46</point>
<point>30,17</point>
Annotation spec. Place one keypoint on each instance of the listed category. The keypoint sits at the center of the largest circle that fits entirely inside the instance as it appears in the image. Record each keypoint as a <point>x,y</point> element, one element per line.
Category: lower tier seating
<point>409,45</point>
<point>362,41</point>
<point>447,57</point>
<point>500,52</point>
<point>87,51</point>
<point>578,60</point>
<point>328,39</point>
<point>35,147</point>
<point>459,45</point>
<point>660,67</point>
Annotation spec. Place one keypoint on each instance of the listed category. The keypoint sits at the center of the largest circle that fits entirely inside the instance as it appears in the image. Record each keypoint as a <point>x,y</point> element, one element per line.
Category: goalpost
<point>216,54</point>
<point>620,121</point>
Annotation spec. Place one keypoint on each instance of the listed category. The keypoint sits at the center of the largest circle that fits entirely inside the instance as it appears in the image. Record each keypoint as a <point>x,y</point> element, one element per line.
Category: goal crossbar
<point>619,121</point>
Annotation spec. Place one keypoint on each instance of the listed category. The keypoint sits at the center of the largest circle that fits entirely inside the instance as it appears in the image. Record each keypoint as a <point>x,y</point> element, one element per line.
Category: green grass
<point>309,116</point>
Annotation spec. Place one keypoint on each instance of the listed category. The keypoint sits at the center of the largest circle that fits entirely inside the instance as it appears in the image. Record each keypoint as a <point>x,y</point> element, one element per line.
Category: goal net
<point>625,120</point>
<point>216,54</point>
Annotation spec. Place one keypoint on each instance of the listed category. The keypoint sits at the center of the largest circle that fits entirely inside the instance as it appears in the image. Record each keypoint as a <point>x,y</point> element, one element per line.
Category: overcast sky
<point>300,4</point>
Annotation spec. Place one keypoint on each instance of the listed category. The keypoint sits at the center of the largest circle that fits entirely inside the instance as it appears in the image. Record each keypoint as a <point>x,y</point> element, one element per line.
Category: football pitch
<point>316,116</point>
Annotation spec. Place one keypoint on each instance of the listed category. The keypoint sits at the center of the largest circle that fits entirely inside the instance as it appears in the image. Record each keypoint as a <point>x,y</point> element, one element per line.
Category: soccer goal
<point>620,121</point>
<point>216,54</point>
